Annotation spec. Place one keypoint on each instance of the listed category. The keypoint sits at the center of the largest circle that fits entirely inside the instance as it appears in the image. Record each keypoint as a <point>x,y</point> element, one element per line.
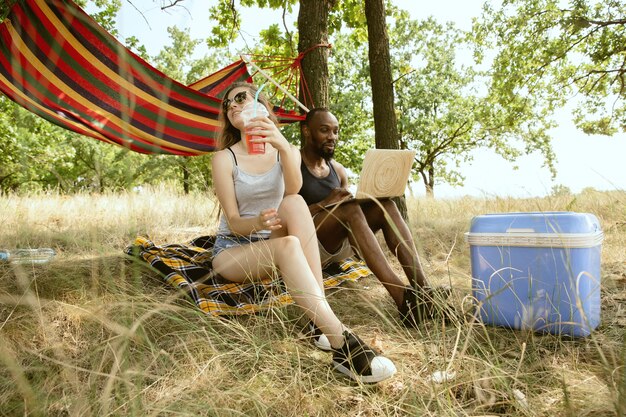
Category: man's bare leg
<point>347,221</point>
<point>384,215</point>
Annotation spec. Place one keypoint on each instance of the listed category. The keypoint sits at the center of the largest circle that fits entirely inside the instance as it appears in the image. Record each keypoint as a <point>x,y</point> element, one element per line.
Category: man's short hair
<point>311,114</point>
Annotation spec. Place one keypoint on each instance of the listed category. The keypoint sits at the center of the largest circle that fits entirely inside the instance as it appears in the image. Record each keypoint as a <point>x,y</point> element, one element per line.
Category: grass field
<point>95,334</point>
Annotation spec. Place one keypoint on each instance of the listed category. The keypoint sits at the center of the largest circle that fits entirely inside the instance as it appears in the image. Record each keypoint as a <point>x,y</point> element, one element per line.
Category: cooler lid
<point>536,229</point>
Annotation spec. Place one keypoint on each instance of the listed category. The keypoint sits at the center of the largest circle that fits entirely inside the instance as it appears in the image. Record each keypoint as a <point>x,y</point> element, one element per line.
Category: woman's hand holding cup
<point>250,112</point>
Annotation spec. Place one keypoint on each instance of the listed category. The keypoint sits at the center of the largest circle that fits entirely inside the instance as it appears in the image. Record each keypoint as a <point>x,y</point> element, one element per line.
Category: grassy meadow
<point>94,333</point>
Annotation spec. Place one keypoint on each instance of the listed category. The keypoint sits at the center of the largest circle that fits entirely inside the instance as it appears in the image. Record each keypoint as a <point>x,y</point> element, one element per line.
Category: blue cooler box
<point>537,271</point>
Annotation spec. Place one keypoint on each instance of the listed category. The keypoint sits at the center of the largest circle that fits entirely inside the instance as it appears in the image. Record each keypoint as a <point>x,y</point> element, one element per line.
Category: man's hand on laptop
<point>337,195</point>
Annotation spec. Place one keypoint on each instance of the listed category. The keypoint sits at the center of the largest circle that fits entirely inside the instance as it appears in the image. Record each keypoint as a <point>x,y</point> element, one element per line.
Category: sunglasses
<point>239,98</point>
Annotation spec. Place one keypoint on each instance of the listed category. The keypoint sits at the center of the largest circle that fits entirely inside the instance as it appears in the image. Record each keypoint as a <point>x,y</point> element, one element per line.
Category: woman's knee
<point>287,245</point>
<point>293,202</point>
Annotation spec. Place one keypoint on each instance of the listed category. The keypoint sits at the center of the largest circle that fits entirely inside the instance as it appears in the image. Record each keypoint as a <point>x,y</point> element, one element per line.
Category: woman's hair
<point>229,135</point>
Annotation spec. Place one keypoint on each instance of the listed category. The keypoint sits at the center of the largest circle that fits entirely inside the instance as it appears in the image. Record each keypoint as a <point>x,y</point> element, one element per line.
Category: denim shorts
<point>223,242</point>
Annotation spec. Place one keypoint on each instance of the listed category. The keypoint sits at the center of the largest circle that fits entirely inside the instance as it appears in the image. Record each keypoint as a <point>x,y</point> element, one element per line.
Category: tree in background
<point>313,30</point>
<point>554,50</point>
<point>385,121</point>
<point>445,110</point>
<point>351,92</point>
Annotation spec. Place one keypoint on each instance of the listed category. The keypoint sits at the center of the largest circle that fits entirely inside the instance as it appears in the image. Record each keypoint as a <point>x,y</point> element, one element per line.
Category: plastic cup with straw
<point>249,112</point>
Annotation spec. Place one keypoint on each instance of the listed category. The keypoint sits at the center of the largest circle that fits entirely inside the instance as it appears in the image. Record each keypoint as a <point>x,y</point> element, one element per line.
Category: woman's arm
<point>289,154</point>
<point>222,171</point>
<point>290,161</point>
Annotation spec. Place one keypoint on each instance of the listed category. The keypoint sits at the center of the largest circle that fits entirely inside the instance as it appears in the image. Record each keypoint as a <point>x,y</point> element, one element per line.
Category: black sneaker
<point>360,362</point>
<point>425,304</point>
<point>319,339</point>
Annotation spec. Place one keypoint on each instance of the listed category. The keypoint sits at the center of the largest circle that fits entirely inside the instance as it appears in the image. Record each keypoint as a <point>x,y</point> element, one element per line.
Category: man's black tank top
<point>316,189</point>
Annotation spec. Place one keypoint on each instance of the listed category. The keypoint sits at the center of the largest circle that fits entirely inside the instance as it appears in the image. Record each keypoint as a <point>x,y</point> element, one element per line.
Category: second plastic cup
<point>249,112</point>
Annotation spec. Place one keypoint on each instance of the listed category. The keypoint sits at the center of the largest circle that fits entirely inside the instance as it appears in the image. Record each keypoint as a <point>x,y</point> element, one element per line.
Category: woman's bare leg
<point>296,220</point>
<point>257,260</point>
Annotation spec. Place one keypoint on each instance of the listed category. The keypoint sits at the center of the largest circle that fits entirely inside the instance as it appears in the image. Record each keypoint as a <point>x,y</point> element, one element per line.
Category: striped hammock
<point>58,63</point>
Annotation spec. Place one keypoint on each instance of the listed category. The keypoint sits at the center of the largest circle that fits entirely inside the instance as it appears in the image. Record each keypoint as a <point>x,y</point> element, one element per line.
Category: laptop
<point>385,174</point>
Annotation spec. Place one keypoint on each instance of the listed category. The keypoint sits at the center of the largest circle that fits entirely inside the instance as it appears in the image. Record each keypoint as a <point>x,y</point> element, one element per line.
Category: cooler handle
<point>520,230</point>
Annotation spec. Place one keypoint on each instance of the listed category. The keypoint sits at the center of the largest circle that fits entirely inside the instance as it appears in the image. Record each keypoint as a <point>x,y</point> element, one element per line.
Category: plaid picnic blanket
<point>188,267</point>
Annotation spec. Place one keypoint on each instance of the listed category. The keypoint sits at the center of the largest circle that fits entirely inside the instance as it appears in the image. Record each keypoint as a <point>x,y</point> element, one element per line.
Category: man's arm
<point>336,195</point>
<point>341,173</point>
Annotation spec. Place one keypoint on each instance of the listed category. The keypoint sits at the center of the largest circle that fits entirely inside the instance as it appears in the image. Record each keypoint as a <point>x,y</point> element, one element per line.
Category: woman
<point>265,227</point>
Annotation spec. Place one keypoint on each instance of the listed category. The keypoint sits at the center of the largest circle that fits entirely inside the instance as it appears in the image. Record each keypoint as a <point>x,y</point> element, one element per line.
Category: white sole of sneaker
<point>382,368</point>
<point>322,343</point>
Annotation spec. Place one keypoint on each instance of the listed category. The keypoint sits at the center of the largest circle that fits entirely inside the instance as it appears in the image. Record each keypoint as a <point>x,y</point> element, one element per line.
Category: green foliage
<point>135,45</point>
<point>26,140</point>
<point>38,155</point>
<point>107,15</point>
<point>349,13</point>
<point>228,19</point>
<point>561,190</point>
<point>227,23</point>
<point>550,51</point>
<point>175,60</point>
<point>350,93</point>
<point>5,6</point>
<point>444,110</point>
<point>436,107</point>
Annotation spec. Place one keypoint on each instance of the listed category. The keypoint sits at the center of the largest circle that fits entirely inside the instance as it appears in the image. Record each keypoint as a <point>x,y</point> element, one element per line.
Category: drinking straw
<point>256,97</point>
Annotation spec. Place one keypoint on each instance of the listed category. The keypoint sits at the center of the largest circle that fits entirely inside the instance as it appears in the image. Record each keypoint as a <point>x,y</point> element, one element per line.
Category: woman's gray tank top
<point>255,192</point>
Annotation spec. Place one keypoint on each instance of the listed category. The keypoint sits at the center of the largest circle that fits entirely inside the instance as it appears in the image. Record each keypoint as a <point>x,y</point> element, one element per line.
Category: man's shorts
<point>345,251</point>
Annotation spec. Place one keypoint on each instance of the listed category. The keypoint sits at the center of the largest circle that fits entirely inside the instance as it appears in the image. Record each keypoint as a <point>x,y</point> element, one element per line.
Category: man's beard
<point>326,154</point>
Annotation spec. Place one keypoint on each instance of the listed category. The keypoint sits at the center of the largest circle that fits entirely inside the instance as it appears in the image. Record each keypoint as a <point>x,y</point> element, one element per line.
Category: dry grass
<point>94,334</point>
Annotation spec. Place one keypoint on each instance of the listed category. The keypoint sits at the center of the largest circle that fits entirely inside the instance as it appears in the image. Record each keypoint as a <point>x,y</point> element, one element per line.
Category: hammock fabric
<point>185,267</point>
<point>58,63</point>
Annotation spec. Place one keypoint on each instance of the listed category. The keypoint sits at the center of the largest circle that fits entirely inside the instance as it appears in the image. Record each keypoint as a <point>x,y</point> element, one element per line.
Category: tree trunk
<point>385,123</point>
<point>430,185</point>
<point>312,31</point>
<point>186,174</point>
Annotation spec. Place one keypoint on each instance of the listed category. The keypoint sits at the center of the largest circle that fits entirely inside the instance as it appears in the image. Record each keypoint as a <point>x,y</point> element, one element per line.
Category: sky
<point>582,160</point>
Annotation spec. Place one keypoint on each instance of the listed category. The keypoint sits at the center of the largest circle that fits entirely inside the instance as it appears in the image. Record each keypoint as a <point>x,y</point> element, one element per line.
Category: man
<point>353,224</point>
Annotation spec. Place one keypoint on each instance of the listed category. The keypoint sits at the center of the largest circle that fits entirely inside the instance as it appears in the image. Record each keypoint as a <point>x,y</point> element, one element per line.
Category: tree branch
<point>234,13</point>
<point>172,4</point>
<point>403,75</point>
<point>604,23</point>
<point>602,74</point>
<point>287,32</point>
